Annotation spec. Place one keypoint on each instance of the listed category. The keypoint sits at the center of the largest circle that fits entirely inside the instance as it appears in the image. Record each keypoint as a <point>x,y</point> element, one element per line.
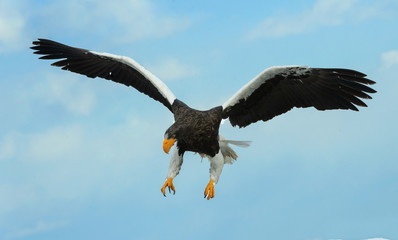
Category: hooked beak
<point>167,144</point>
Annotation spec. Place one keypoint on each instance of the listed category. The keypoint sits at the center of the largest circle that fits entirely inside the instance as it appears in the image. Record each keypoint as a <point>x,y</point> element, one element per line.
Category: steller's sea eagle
<point>273,92</point>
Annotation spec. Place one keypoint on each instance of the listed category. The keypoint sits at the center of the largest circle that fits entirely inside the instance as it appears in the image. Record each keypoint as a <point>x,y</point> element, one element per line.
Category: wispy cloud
<point>40,227</point>
<point>324,13</point>
<point>69,161</point>
<point>55,143</point>
<point>12,24</point>
<point>7,146</point>
<point>376,239</point>
<point>126,21</point>
<point>389,58</point>
<point>173,69</point>
<point>343,239</point>
<point>67,90</point>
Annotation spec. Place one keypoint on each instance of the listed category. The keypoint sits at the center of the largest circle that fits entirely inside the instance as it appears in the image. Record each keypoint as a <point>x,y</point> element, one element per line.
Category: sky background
<point>82,158</point>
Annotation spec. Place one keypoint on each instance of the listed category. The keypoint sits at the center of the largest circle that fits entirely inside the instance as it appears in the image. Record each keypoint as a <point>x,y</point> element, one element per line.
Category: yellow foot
<point>209,191</point>
<point>169,184</point>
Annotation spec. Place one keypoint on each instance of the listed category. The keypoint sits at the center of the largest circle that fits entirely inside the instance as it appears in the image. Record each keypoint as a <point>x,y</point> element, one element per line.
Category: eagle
<point>273,92</point>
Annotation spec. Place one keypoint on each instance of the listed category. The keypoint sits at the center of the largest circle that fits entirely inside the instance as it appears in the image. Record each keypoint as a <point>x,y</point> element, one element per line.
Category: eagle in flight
<point>274,91</point>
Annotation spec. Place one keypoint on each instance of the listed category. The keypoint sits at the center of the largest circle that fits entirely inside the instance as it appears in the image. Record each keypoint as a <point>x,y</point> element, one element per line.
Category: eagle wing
<point>104,65</point>
<point>278,89</point>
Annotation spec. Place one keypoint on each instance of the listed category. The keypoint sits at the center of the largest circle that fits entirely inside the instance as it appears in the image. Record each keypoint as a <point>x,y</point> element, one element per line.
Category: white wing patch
<point>161,86</point>
<point>256,82</point>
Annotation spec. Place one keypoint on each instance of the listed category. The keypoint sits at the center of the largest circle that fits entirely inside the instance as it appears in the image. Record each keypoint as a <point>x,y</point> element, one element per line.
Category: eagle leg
<point>168,184</point>
<point>209,191</point>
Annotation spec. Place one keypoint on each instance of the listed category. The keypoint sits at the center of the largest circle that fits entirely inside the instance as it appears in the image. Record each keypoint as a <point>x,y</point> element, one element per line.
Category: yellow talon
<point>209,191</point>
<point>169,184</point>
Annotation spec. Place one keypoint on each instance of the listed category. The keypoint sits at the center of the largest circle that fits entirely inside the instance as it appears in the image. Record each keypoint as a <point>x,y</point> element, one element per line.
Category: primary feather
<point>279,89</point>
<point>119,69</point>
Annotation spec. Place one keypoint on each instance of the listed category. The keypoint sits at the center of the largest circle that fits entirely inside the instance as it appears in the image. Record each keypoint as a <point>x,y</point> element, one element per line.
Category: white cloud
<point>12,24</point>
<point>69,162</point>
<point>40,227</point>
<point>16,196</point>
<point>389,59</point>
<point>140,19</point>
<point>56,143</point>
<point>7,147</point>
<point>173,69</point>
<point>324,13</point>
<point>126,21</point>
<point>363,239</point>
<point>68,90</point>
<point>376,239</point>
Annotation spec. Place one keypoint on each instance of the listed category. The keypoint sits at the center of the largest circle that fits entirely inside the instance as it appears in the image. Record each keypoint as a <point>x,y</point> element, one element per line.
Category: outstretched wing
<point>278,89</point>
<point>104,65</point>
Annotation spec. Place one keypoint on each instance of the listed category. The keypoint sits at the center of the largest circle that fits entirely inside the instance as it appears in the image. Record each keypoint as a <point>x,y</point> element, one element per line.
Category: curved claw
<point>209,190</point>
<point>168,184</point>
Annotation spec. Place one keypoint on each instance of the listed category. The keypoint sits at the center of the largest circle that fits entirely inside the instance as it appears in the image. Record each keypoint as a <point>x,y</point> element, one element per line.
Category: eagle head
<point>170,137</point>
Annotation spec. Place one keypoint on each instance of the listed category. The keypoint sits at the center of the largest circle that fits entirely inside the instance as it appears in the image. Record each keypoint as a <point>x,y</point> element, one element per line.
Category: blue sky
<point>82,158</point>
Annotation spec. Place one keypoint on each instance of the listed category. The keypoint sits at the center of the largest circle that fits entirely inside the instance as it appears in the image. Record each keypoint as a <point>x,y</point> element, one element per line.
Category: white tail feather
<point>237,143</point>
<point>228,153</point>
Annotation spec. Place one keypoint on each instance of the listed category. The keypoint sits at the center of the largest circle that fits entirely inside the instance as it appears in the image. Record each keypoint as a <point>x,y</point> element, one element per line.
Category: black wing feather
<point>322,88</point>
<point>84,62</point>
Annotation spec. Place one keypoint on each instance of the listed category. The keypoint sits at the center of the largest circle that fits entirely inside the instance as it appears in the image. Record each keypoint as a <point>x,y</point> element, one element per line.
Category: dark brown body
<point>195,130</point>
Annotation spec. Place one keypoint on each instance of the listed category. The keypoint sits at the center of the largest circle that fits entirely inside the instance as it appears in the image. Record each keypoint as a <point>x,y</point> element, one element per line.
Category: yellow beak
<point>167,144</point>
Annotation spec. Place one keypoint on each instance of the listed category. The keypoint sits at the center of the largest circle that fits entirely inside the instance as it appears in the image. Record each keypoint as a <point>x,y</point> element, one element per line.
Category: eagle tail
<point>228,153</point>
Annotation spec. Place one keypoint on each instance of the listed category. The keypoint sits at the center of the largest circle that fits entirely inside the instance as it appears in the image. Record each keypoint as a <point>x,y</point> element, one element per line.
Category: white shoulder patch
<point>256,82</point>
<point>161,86</point>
